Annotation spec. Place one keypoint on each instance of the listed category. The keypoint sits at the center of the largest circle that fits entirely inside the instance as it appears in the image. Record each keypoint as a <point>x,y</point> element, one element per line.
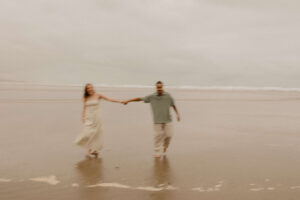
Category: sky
<point>251,43</point>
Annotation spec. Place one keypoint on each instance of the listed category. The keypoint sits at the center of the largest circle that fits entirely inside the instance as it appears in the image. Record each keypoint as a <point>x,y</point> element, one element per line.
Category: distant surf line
<point>183,87</point>
<point>12,100</point>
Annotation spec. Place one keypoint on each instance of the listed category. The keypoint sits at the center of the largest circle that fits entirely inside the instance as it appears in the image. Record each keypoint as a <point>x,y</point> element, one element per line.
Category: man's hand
<point>124,102</point>
<point>178,118</point>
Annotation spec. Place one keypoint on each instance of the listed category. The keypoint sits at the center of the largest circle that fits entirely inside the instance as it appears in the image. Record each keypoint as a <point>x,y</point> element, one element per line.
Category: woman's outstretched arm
<point>109,99</point>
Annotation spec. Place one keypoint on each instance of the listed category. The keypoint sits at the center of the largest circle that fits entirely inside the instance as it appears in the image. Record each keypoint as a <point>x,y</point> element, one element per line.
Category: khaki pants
<point>162,136</point>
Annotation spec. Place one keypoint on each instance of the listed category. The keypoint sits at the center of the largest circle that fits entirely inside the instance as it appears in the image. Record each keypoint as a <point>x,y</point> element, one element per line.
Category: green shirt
<point>160,107</point>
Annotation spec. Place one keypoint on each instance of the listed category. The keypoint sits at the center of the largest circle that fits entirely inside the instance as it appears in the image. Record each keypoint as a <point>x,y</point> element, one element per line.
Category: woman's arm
<point>101,96</point>
<point>130,100</point>
<point>83,111</point>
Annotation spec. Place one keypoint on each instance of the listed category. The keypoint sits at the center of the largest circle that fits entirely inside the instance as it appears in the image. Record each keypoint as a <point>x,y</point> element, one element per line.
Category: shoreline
<point>248,140</point>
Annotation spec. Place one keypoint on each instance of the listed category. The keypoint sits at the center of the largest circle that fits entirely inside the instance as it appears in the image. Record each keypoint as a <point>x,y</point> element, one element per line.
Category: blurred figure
<point>91,134</point>
<point>161,102</point>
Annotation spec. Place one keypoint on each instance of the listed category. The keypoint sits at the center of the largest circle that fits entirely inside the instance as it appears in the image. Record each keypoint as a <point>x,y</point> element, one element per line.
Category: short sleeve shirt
<point>160,105</point>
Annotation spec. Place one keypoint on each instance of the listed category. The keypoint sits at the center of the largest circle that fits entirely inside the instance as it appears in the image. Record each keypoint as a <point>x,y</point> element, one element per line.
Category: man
<point>161,102</point>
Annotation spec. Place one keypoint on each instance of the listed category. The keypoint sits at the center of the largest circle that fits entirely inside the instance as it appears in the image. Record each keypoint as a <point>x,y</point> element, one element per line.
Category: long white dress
<point>90,136</point>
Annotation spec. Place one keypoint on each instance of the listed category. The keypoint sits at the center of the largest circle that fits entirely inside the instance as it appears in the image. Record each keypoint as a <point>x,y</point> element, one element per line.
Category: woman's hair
<point>86,93</point>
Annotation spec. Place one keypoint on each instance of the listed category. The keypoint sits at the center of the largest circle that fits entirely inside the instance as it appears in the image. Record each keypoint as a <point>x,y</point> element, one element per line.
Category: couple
<point>91,134</point>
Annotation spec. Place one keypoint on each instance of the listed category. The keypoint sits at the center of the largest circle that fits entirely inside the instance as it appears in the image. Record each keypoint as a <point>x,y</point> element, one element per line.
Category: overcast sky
<point>183,42</point>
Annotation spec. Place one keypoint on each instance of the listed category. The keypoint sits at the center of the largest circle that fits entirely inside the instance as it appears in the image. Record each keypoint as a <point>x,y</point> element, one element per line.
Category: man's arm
<point>177,113</point>
<point>130,100</point>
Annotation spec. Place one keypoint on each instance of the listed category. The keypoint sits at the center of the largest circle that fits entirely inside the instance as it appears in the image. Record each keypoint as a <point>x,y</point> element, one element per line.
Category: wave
<point>238,88</point>
<point>184,87</point>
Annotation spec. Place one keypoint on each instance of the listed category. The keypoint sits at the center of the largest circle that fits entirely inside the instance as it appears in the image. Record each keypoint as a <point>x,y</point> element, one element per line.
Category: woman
<point>91,134</point>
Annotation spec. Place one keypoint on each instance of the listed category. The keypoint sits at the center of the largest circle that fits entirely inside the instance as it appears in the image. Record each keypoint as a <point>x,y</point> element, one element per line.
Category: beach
<point>229,145</point>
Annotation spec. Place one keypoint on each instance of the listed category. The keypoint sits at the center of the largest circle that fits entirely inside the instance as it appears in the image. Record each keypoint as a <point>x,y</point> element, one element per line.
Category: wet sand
<point>230,145</point>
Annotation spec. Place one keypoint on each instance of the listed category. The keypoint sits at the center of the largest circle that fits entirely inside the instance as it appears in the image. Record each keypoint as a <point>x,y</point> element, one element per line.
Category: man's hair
<point>159,82</point>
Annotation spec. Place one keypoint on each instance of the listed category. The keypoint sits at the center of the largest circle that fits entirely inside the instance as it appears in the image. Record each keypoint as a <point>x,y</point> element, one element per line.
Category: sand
<point>229,145</point>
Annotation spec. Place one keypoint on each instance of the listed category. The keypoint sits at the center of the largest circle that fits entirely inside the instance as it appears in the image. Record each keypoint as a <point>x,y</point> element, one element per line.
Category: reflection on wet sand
<point>90,172</point>
<point>162,178</point>
<point>162,172</point>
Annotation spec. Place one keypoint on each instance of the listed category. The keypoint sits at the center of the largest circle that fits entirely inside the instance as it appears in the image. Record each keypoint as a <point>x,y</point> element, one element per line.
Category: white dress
<point>91,133</point>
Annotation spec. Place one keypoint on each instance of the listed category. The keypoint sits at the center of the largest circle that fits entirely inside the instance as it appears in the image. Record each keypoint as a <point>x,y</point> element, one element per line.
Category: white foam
<point>211,189</point>
<point>155,189</point>
<point>52,180</point>
<point>256,189</point>
<point>170,187</point>
<point>115,185</point>
<point>158,188</point>
<point>75,185</point>
<point>146,188</point>
<point>5,180</point>
<point>270,188</point>
<point>215,188</point>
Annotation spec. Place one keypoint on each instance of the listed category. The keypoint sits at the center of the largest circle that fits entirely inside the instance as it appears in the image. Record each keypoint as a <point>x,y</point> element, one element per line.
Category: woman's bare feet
<point>95,153</point>
<point>88,153</point>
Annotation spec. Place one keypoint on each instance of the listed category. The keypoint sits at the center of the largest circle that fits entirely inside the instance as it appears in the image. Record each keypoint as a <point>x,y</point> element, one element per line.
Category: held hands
<point>124,102</point>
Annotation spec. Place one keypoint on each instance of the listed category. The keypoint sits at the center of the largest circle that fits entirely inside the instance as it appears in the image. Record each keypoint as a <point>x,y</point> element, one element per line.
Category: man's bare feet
<point>95,153</point>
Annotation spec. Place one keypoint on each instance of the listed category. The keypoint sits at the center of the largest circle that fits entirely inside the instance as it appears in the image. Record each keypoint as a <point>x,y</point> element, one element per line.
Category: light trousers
<point>162,136</point>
